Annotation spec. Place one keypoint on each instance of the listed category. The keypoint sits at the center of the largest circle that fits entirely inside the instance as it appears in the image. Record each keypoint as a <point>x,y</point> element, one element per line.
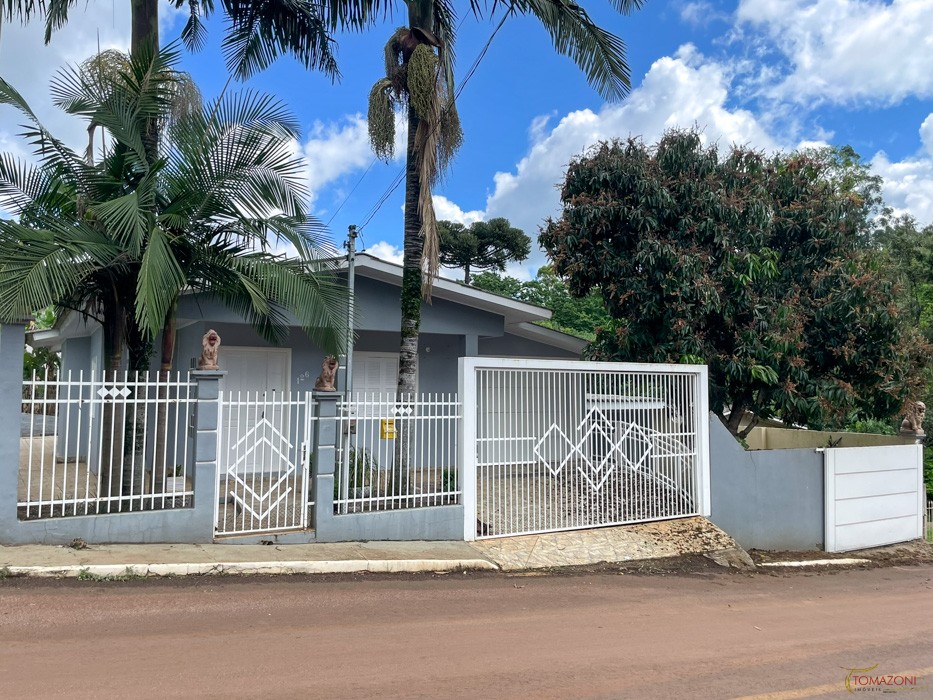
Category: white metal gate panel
<point>567,445</point>
<point>264,441</point>
<point>873,496</point>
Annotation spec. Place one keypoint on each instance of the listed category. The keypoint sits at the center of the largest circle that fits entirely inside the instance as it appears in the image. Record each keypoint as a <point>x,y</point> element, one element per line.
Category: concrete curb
<point>255,567</point>
<point>816,562</point>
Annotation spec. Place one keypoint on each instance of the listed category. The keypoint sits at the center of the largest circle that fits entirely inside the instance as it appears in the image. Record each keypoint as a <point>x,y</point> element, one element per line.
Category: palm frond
<point>259,31</point>
<point>160,281</point>
<point>598,53</point>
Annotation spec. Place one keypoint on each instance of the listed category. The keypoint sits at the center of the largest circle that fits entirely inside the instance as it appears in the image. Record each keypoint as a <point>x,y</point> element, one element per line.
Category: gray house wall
<point>766,499</point>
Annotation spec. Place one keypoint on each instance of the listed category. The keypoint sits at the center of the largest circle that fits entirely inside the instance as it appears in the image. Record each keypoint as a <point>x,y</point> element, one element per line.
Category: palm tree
<point>132,233</point>
<point>419,80</point>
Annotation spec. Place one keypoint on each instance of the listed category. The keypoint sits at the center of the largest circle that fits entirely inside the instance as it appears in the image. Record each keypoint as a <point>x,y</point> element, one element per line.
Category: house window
<point>375,372</point>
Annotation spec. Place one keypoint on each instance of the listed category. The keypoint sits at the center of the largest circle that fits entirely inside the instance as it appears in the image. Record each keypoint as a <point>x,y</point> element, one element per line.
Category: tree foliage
<point>485,245</point>
<point>754,265</point>
<point>579,316</point>
<point>121,239</point>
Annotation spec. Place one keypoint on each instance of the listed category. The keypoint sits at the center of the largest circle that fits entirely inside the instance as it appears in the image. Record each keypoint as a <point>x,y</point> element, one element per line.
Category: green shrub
<point>871,425</point>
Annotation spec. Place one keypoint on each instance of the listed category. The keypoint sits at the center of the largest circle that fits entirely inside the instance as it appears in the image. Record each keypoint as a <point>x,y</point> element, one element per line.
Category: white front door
<point>254,388</point>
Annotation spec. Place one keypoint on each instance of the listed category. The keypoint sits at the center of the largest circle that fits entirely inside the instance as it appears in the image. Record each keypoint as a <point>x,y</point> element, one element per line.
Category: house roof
<point>518,316</point>
<point>512,310</point>
<point>548,336</point>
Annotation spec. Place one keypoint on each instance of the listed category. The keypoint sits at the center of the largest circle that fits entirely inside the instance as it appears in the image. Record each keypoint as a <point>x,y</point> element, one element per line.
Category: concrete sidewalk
<point>575,548</point>
<point>115,560</point>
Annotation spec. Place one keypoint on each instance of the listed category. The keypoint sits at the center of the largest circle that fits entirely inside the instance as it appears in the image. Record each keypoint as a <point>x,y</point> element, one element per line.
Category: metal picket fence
<point>104,442</point>
<point>396,452</point>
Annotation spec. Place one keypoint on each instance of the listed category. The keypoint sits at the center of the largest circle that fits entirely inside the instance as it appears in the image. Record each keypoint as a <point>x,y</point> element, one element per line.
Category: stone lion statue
<point>913,421</point>
<point>327,381</point>
<point>210,344</point>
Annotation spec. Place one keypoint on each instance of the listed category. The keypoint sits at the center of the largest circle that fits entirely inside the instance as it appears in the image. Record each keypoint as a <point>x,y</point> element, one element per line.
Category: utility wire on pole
<point>350,246</point>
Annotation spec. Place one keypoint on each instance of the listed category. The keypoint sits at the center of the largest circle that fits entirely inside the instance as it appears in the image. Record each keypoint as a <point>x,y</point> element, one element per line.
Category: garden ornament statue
<point>327,381</point>
<point>210,344</point>
<point>912,424</point>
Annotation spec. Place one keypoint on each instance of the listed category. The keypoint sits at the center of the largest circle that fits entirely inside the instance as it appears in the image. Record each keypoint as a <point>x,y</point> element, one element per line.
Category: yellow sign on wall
<point>387,428</point>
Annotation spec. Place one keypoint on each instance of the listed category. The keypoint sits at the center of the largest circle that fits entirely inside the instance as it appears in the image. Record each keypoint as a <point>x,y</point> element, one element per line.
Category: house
<point>460,321</point>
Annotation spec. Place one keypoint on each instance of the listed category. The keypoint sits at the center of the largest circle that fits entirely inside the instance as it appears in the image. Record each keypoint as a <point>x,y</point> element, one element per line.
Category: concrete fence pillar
<point>12,342</point>
<point>324,461</point>
<point>205,439</point>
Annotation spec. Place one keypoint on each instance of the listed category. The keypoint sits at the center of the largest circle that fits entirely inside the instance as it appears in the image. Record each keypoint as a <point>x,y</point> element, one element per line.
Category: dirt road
<point>596,636</point>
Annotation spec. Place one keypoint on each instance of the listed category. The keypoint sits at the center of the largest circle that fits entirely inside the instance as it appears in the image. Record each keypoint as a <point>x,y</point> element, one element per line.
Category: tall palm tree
<point>420,81</point>
<point>130,233</point>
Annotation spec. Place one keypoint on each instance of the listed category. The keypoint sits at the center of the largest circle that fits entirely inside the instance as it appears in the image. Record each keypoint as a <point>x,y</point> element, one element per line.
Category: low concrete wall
<point>437,523</point>
<point>766,499</point>
<point>784,438</point>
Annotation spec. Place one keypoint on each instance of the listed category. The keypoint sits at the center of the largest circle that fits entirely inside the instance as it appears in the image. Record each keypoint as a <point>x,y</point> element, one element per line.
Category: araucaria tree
<point>485,245</point>
<point>419,82</point>
<point>755,265</point>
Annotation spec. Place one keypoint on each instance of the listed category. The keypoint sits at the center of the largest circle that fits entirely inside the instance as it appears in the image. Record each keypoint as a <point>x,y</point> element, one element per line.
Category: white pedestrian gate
<point>264,455</point>
<point>565,445</point>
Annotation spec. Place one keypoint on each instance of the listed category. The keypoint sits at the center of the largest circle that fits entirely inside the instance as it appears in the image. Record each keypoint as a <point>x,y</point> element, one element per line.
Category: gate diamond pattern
<point>595,429</point>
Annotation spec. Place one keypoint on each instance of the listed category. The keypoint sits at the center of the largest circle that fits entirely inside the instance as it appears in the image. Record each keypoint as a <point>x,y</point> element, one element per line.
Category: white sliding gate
<point>555,445</point>
<point>263,451</point>
<point>873,496</point>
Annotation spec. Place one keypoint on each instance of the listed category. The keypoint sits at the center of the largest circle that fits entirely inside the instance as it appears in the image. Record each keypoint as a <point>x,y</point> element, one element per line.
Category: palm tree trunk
<point>144,37</point>
<point>410,302</point>
<point>169,331</point>
<point>111,454</point>
<point>411,273</point>
<point>144,27</point>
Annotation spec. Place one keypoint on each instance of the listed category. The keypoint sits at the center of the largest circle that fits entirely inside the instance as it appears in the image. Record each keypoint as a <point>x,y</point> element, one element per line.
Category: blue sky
<point>773,74</point>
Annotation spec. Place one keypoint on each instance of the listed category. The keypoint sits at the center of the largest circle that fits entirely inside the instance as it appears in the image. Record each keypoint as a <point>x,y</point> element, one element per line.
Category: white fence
<point>264,444</point>
<point>558,445</point>
<point>396,453</point>
<point>104,443</point>
<point>872,496</point>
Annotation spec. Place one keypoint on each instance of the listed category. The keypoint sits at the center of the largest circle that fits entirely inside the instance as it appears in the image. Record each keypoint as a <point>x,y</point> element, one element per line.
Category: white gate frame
<point>467,367</point>
<point>302,468</point>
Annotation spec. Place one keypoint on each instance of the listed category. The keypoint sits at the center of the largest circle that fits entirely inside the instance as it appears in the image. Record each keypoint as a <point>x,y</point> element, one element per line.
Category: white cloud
<point>333,150</point>
<point>908,184</point>
<point>700,13</point>
<point>29,65</point>
<point>680,91</point>
<point>336,149</point>
<point>445,210</point>
<point>846,51</point>
<point>386,251</point>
